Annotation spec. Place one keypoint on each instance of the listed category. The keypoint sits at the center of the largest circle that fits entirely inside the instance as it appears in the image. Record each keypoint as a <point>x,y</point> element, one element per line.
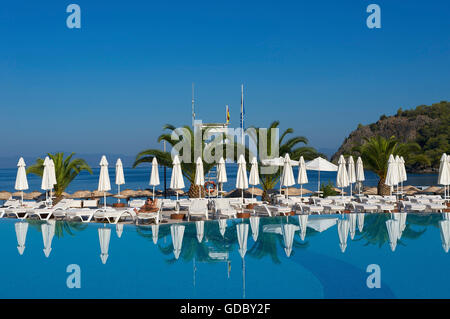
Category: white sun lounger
<point>363,207</point>
<point>156,216</point>
<point>19,213</point>
<point>113,215</point>
<point>410,206</point>
<point>426,200</point>
<point>76,203</point>
<point>389,199</point>
<point>11,203</point>
<point>271,210</point>
<point>223,207</point>
<point>436,207</point>
<point>46,213</point>
<point>185,203</point>
<point>331,208</point>
<point>90,203</point>
<point>137,203</point>
<point>83,214</point>
<point>168,203</point>
<point>370,201</point>
<point>321,201</point>
<point>251,201</point>
<point>148,216</point>
<point>385,207</point>
<point>309,209</point>
<point>198,207</point>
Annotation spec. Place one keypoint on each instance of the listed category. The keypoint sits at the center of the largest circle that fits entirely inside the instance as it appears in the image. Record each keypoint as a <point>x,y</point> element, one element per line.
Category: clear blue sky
<point>110,86</point>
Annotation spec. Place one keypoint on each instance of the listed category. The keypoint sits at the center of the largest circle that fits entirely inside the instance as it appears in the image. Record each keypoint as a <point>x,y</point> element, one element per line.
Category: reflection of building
<point>214,256</point>
<point>218,256</point>
<point>321,224</point>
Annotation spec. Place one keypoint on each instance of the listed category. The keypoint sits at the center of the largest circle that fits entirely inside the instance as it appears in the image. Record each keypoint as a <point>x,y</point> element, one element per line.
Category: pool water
<point>141,262</point>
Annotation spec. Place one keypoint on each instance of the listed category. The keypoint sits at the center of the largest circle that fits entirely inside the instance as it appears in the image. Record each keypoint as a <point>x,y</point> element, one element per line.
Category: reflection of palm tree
<point>61,227</point>
<point>268,242</point>
<point>375,231</point>
<point>425,220</point>
<point>191,248</point>
<point>146,232</point>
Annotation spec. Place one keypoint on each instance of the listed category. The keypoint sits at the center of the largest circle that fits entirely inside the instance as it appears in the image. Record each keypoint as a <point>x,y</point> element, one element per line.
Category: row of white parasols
<point>177,181</point>
<point>347,173</point>
<point>48,178</point>
<point>396,173</point>
<point>444,174</point>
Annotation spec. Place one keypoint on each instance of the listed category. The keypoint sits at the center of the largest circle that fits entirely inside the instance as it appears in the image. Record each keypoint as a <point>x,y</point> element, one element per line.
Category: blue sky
<point>110,86</point>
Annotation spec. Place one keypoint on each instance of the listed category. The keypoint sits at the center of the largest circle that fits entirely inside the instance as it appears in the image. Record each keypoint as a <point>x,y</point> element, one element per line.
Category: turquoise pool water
<point>133,266</point>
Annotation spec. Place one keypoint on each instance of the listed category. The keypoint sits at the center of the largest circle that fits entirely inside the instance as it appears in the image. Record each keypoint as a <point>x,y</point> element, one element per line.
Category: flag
<point>228,114</point>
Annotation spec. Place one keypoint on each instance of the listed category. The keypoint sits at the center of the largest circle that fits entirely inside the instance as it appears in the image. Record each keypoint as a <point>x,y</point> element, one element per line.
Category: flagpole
<point>242,113</point>
<point>193,106</point>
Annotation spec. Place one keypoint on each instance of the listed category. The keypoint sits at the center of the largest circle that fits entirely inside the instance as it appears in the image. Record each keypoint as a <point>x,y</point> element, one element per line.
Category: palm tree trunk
<point>382,188</point>
<point>265,196</point>
<point>57,199</point>
<point>196,191</point>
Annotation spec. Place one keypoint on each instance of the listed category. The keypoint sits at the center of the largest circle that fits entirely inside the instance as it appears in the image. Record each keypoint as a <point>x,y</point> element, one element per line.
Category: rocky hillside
<point>429,126</point>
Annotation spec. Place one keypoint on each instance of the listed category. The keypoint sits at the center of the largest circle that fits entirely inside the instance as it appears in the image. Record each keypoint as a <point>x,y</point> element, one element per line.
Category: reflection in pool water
<point>281,257</point>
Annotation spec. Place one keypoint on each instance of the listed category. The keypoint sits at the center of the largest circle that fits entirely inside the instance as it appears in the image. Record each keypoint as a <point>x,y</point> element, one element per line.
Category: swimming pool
<point>257,258</point>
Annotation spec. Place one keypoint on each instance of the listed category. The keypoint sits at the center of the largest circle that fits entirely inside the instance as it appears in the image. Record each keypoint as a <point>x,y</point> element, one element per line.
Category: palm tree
<point>375,152</point>
<point>188,167</point>
<point>66,169</point>
<point>268,181</point>
<point>61,227</point>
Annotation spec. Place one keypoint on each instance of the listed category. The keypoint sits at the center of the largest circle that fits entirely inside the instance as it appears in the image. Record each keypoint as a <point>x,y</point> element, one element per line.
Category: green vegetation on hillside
<point>428,126</point>
<point>433,138</point>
